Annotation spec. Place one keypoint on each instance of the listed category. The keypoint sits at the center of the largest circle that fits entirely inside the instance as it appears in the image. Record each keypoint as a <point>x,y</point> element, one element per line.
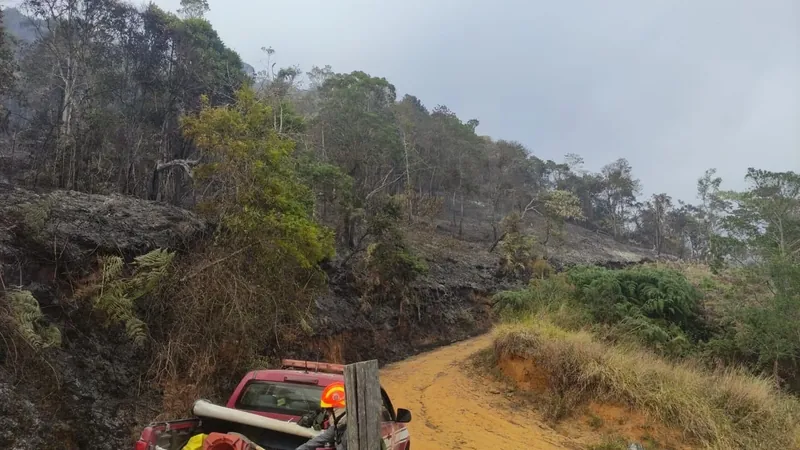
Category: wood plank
<point>363,396</point>
<point>351,399</point>
<point>372,390</point>
<point>363,416</point>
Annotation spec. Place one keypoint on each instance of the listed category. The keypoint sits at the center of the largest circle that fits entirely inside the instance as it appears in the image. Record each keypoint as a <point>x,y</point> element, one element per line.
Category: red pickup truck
<point>284,394</point>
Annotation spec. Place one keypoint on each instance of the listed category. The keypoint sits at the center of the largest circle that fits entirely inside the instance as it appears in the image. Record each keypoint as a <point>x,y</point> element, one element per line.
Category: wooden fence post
<point>363,396</point>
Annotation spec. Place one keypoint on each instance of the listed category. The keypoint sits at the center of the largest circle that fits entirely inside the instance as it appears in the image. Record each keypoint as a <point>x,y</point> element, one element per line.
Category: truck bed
<point>174,435</point>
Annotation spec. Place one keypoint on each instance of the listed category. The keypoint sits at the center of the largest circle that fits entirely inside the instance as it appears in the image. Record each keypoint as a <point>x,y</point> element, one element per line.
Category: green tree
<point>101,91</point>
<point>710,212</point>
<point>7,63</point>
<point>253,288</point>
<point>508,177</point>
<point>258,194</point>
<point>358,133</point>
<point>653,222</point>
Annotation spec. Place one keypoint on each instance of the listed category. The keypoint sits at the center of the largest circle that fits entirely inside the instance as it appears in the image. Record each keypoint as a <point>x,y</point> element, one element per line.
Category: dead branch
<point>502,236</point>
<point>530,207</point>
<point>384,184</point>
<point>186,164</point>
<point>214,263</point>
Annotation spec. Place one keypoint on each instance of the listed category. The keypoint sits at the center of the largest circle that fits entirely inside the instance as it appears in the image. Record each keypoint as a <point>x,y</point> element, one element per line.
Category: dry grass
<point>726,410</point>
<point>215,321</point>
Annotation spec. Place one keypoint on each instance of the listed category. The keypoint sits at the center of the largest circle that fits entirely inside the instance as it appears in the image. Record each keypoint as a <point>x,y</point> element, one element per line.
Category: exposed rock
<point>67,228</point>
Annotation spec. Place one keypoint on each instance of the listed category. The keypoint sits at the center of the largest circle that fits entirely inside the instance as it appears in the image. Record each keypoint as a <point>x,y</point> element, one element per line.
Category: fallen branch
<point>185,164</point>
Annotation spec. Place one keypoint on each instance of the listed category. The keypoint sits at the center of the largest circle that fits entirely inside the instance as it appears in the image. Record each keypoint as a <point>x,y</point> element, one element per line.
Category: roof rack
<point>310,366</point>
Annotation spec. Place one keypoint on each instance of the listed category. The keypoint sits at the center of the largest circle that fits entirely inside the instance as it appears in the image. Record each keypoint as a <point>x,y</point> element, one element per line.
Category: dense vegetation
<point>742,312</point>
<point>720,342</point>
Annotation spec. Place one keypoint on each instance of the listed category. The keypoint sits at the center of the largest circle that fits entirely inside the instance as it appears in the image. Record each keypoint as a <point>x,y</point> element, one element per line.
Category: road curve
<point>452,410</point>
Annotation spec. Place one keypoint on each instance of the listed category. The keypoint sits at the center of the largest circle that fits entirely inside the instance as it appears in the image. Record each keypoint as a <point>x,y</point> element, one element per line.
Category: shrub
<point>658,306</point>
<point>518,248</point>
<point>391,266</point>
<point>541,269</point>
<point>655,293</point>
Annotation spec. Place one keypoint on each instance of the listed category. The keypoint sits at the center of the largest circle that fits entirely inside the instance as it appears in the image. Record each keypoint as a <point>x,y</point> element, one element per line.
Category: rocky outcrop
<point>89,392</point>
<point>65,229</point>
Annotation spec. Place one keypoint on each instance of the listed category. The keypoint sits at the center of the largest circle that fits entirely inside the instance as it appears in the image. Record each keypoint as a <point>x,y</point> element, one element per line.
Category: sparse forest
<point>311,178</point>
<point>95,93</point>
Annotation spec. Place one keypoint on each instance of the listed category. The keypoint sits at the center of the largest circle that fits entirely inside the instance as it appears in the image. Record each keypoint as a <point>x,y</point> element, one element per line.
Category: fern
<point>659,306</point>
<point>151,268</point>
<point>27,317</point>
<point>116,294</point>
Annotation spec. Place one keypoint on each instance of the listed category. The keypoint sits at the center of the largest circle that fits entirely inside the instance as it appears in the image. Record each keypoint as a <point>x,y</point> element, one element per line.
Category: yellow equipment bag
<point>196,442</point>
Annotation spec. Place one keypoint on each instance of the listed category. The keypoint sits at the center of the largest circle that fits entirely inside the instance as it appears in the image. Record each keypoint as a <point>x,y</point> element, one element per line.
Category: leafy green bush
<point>518,248</point>
<point>655,307</point>
<point>655,293</point>
<point>658,306</point>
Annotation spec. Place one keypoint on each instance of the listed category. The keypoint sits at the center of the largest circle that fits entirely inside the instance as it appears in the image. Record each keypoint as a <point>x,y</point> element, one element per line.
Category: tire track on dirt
<point>452,410</point>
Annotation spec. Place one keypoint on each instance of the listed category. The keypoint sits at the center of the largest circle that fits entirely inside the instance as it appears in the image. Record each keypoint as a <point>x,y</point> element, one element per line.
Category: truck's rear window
<point>280,398</point>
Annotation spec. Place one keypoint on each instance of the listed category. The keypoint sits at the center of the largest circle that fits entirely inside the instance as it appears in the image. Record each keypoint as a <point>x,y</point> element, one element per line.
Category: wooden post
<point>363,396</point>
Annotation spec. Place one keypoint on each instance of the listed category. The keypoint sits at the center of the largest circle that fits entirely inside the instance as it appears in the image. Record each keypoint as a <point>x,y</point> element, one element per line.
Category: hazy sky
<point>673,86</point>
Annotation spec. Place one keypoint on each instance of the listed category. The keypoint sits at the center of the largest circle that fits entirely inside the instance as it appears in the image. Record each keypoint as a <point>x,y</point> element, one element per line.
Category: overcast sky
<point>673,86</point>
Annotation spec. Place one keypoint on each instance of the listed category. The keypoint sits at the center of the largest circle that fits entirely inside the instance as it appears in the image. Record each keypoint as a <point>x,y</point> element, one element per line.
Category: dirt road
<point>451,410</point>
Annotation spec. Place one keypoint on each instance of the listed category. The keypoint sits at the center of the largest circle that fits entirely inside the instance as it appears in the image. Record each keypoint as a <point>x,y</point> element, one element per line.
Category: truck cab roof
<point>294,376</point>
<point>302,372</point>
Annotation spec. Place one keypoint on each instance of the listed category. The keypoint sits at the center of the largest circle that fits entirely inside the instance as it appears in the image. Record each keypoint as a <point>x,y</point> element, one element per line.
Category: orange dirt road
<point>451,410</point>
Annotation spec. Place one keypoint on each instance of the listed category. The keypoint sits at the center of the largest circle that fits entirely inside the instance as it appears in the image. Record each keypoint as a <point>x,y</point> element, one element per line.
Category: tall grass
<point>550,299</point>
<point>722,410</point>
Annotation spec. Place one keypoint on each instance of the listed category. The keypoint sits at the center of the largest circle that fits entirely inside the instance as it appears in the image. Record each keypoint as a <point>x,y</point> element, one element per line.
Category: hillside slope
<point>94,390</point>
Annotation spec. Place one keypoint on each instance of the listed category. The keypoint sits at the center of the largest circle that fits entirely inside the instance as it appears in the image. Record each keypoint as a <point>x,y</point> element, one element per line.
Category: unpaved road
<point>451,410</point>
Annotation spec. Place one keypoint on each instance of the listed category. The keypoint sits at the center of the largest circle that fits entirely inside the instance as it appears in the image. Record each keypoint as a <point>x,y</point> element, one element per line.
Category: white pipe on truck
<point>204,408</point>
